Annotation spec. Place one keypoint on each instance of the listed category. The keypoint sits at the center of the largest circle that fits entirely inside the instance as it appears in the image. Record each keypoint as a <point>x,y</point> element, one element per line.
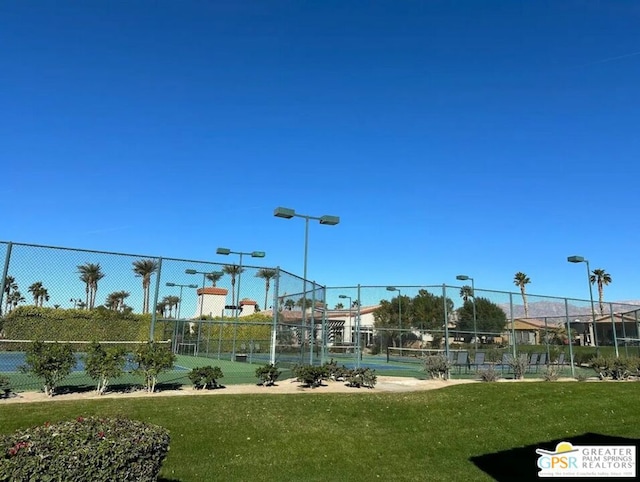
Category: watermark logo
<point>569,460</point>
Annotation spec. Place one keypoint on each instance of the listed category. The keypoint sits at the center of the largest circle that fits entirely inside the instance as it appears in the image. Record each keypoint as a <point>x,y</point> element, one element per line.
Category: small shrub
<point>333,371</point>
<point>104,364</point>
<point>518,364</point>
<point>5,387</point>
<point>489,375</point>
<point>268,374</point>
<point>51,362</point>
<point>437,366</point>
<point>203,377</point>
<point>582,377</point>
<point>611,368</point>
<point>361,377</point>
<point>153,359</point>
<point>85,449</point>
<point>551,374</point>
<point>310,375</point>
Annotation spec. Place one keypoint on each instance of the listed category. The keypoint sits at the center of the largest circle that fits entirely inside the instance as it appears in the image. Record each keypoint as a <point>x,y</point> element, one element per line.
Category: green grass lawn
<point>356,436</point>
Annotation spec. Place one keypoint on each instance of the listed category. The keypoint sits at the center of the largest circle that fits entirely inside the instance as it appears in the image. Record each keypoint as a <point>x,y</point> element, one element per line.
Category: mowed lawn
<point>364,435</point>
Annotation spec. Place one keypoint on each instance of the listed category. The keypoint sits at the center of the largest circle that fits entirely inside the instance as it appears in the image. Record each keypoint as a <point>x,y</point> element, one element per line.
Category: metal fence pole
<point>358,333</point>
<point>275,312</point>
<point>5,272</point>
<point>513,327</point>
<point>566,312</point>
<point>154,310</point>
<point>613,327</point>
<point>446,322</point>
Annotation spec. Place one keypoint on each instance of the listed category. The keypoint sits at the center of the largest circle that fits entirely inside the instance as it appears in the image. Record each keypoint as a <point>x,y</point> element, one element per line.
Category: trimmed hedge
<point>85,449</point>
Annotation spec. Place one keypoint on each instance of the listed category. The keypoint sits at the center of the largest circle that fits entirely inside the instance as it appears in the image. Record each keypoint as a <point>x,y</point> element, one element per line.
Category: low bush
<point>85,449</point>
<point>518,365</point>
<point>104,364</point>
<point>551,374</point>
<point>437,366</point>
<point>361,377</point>
<point>335,371</point>
<point>581,377</point>
<point>310,375</point>
<point>203,377</point>
<point>5,387</point>
<point>489,375</point>
<point>268,374</point>
<point>51,362</point>
<point>612,368</point>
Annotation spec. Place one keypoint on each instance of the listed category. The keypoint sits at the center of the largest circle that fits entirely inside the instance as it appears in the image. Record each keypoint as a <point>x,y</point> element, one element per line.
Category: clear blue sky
<point>450,137</point>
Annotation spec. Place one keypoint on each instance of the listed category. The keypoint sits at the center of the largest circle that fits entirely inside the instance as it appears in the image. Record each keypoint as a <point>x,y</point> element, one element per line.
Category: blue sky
<point>450,137</point>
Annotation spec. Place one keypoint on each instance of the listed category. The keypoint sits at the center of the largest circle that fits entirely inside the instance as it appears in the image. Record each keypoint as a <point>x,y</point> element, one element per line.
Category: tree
<point>289,304</point>
<point>233,270</point>
<point>115,300</point>
<point>426,311</point>
<point>90,274</point>
<point>39,293</point>
<point>600,278</point>
<point>170,303</point>
<point>10,286</point>
<point>161,308</point>
<point>14,299</point>
<point>522,280</point>
<point>490,318</point>
<point>214,277</point>
<point>466,292</point>
<point>267,274</point>
<point>144,268</point>
<point>339,306</point>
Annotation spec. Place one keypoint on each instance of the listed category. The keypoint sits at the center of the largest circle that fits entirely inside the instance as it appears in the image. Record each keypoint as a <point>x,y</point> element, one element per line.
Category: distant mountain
<point>552,309</point>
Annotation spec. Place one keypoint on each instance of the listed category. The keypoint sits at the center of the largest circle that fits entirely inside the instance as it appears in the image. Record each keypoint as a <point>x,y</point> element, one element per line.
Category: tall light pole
<point>393,288</point>
<point>253,254</point>
<point>580,259</point>
<point>180,298</point>
<point>350,305</point>
<point>204,277</point>
<point>287,213</point>
<point>464,277</point>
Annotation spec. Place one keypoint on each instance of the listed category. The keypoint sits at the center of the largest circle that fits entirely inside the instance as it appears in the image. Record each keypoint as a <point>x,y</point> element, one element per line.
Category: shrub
<point>203,377</point>
<point>5,387</point>
<point>437,366</point>
<point>518,364</point>
<point>581,377</point>
<point>85,449</point>
<point>104,364</point>
<point>268,374</point>
<point>153,359</point>
<point>51,362</point>
<point>551,373</point>
<point>614,368</point>
<point>361,377</point>
<point>333,371</point>
<point>310,375</point>
<point>489,375</point>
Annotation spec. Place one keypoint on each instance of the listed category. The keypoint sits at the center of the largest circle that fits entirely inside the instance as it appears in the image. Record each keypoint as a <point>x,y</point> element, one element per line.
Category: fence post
<point>513,327</point>
<point>446,322</point>
<point>358,333</point>
<point>275,311</point>
<point>566,312</point>
<point>613,327</point>
<point>154,311</point>
<point>5,271</point>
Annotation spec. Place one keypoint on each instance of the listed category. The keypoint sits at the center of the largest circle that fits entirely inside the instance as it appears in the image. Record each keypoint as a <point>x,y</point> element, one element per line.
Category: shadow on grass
<point>520,463</point>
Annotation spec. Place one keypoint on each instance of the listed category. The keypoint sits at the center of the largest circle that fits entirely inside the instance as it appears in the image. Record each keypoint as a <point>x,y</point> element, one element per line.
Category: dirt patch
<point>383,385</point>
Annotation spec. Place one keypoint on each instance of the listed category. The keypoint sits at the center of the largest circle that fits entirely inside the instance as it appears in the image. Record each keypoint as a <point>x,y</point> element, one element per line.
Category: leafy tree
<point>522,280</point>
<point>466,292</point>
<point>214,277</point>
<point>267,274</point>
<point>153,359</point>
<point>427,311</point>
<point>600,278</point>
<point>144,268</point>
<point>490,318</point>
<point>51,362</point>
<point>233,270</point>
<point>104,364</point>
<point>90,274</point>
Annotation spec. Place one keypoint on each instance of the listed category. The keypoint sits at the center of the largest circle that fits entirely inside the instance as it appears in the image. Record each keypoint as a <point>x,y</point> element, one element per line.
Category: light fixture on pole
<point>204,277</point>
<point>287,213</point>
<point>253,254</point>
<point>464,277</point>
<point>393,288</point>
<point>344,297</point>
<point>581,259</point>
<point>180,297</point>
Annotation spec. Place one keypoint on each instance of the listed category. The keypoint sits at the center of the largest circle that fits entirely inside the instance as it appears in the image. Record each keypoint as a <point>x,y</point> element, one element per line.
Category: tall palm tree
<point>35,289</point>
<point>522,280</point>
<point>233,270</point>
<point>14,299</point>
<point>600,278</point>
<point>267,274</point>
<point>466,292</point>
<point>115,300</point>
<point>10,286</point>
<point>289,304</point>
<point>214,277</point>
<point>171,302</point>
<point>161,308</point>
<point>339,306</point>
<point>90,274</point>
<point>145,268</point>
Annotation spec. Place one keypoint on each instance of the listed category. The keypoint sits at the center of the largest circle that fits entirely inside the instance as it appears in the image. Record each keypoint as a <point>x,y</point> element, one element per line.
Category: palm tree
<point>600,278</point>
<point>466,292</point>
<point>115,300</point>
<point>10,286</point>
<point>90,274</point>
<point>339,306</point>
<point>214,277</point>
<point>171,302</point>
<point>267,274</point>
<point>161,308</point>
<point>14,299</point>
<point>39,292</point>
<point>521,280</point>
<point>233,270</point>
<point>145,269</point>
<point>289,304</point>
